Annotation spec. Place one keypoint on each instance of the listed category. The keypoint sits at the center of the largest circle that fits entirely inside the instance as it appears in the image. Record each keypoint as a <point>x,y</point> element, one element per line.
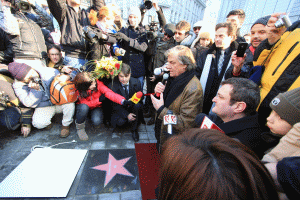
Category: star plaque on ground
<point>108,171</point>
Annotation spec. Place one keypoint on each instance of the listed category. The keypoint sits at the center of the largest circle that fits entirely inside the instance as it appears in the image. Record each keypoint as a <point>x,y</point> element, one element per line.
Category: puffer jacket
<point>30,44</point>
<point>71,24</point>
<point>36,98</point>
<point>162,46</point>
<point>93,99</point>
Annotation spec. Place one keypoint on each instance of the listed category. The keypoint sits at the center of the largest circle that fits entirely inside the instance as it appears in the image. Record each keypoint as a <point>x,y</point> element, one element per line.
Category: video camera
<point>147,5</point>
<point>92,34</point>
<point>22,5</point>
<point>152,29</point>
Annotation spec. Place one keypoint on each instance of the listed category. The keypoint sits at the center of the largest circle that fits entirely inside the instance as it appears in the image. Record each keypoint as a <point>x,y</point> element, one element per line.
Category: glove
<point>127,103</point>
<point>122,36</point>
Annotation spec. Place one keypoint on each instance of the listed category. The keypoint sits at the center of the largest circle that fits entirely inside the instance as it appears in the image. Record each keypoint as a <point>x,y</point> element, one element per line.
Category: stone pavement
<point>14,149</point>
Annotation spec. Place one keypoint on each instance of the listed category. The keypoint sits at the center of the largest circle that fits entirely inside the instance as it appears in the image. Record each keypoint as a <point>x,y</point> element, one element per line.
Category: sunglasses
<point>197,28</point>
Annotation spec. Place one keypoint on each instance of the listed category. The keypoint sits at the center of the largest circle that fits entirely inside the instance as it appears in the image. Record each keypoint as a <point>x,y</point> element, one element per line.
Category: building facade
<point>255,9</point>
<point>174,10</point>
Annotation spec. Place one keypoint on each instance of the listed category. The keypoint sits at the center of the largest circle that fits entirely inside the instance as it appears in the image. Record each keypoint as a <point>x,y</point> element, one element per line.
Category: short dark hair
<point>55,46</point>
<point>244,90</point>
<point>125,69</point>
<point>229,27</point>
<point>206,164</point>
<point>238,12</point>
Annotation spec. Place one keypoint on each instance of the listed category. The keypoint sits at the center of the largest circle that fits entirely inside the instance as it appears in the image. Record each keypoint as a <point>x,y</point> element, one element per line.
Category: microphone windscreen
<point>199,119</point>
<point>157,71</point>
<point>139,94</point>
<point>165,76</point>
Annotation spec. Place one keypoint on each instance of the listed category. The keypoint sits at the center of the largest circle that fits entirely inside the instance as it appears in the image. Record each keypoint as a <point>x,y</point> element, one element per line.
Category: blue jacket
<point>36,98</point>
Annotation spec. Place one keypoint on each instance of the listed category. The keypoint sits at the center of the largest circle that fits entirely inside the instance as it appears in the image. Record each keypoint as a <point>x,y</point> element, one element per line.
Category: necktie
<point>126,91</point>
<point>220,63</point>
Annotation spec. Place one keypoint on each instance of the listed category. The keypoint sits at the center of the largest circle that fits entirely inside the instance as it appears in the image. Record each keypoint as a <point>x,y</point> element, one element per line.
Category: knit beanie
<point>135,11</point>
<point>18,70</point>
<point>198,24</point>
<point>170,29</point>
<point>263,20</point>
<point>287,105</point>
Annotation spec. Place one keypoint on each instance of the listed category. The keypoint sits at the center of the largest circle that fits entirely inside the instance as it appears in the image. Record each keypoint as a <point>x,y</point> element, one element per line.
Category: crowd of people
<point>253,99</point>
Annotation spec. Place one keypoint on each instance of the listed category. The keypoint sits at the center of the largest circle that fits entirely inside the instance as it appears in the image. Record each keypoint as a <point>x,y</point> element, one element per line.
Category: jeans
<point>75,62</point>
<point>141,79</point>
<point>82,111</point>
<point>10,118</point>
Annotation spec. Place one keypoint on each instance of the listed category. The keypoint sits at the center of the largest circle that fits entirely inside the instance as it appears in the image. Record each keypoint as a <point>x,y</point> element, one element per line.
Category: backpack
<point>62,90</point>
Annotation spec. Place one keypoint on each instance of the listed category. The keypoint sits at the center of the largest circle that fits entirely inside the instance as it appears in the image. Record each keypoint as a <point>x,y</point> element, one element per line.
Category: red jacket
<point>93,99</point>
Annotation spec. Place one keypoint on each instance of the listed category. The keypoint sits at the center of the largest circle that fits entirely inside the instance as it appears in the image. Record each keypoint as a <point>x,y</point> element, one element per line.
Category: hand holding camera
<point>276,29</point>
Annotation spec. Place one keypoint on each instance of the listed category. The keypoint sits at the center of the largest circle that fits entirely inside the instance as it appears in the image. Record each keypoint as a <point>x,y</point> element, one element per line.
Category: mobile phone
<point>241,49</point>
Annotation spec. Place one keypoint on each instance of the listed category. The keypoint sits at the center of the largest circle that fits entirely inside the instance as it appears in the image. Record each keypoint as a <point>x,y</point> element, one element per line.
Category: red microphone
<point>205,123</point>
<point>136,97</point>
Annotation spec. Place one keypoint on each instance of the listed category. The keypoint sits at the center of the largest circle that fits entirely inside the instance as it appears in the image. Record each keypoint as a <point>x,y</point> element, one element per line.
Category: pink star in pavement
<point>113,167</point>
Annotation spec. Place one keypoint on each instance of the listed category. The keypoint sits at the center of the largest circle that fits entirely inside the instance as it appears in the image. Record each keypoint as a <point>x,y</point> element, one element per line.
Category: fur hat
<point>287,105</point>
<point>263,20</point>
<point>135,11</point>
<point>18,70</point>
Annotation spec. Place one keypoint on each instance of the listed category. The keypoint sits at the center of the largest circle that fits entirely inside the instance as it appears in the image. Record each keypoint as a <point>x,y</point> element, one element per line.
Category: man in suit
<point>214,62</point>
<point>127,86</point>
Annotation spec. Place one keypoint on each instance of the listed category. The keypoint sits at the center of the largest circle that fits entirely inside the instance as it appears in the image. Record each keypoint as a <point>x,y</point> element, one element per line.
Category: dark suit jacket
<point>134,86</point>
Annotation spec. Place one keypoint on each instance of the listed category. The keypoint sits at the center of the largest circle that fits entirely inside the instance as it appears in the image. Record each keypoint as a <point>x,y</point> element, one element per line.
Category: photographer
<point>12,113</point>
<point>32,87</point>
<point>276,61</point>
<point>25,35</point>
<point>71,19</point>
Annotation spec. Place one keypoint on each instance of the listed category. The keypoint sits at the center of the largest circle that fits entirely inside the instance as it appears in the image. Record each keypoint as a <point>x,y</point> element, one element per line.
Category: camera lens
<point>148,4</point>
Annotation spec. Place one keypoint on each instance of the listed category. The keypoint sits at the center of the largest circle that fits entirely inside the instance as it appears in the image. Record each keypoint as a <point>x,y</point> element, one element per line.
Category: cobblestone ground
<point>14,149</point>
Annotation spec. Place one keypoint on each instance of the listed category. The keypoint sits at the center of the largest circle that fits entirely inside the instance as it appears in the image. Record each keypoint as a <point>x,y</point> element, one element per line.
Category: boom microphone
<point>204,122</point>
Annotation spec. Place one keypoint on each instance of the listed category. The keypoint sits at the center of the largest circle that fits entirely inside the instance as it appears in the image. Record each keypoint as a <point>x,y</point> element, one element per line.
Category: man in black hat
<point>242,65</point>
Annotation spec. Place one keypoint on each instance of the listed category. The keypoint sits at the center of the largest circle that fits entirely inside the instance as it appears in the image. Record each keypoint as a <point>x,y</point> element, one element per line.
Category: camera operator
<point>158,60</point>
<point>71,19</point>
<point>26,36</point>
<point>276,62</point>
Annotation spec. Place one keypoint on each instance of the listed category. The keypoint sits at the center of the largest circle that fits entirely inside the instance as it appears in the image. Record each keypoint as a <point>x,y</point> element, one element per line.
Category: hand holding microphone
<point>160,87</point>
<point>133,100</point>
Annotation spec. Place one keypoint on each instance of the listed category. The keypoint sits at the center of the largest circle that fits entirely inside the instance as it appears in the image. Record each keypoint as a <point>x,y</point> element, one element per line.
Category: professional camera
<point>284,20</point>
<point>152,29</point>
<point>22,5</point>
<point>147,5</point>
<point>92,34</point>
<point>4,99</point>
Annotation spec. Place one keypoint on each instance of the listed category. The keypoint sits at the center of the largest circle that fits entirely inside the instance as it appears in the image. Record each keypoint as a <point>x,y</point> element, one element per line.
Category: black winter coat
<point>71,24</point>
<point>135,49</point>
<point>247,130</point>
<point>30,43</point>
<point>6,49</point>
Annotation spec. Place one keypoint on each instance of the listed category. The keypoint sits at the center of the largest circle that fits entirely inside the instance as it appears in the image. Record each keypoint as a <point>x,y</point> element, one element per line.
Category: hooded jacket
<point>36,98</point>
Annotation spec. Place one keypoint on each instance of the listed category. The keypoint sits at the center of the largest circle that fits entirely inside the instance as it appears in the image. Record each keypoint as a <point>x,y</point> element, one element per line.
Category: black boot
<point>135,135</point>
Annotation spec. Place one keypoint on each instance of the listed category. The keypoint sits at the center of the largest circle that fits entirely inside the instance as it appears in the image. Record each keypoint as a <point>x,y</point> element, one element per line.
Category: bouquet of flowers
<point>106,67</point>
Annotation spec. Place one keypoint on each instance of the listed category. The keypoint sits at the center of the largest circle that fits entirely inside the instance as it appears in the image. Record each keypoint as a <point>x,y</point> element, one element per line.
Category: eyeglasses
<point>196,28</point>
<point>54,54</point>
<point>166,34</point>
